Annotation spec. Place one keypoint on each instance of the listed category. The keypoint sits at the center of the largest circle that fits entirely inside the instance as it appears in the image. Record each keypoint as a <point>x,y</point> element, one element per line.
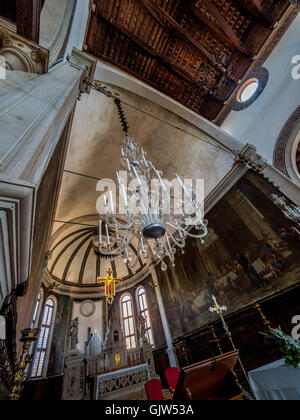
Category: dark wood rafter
<point>222,29</point>
<point>153,52</point>
<point>28,18</point>
<point>181,33</point>
<point>195,51</point>
<point>255,8</point>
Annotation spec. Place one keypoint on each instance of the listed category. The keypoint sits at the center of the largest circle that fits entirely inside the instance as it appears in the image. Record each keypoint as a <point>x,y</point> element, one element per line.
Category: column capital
<point>86,63</point>
<point>249,158</point>
<point>21,54</point>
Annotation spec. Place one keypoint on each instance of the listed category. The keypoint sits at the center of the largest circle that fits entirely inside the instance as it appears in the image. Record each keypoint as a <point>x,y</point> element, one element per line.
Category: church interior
<point>129,269</point>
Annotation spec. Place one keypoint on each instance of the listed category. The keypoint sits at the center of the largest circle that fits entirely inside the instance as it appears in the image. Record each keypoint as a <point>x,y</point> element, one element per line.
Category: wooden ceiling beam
<point>155,54</point>
<point>159,13</point>
<point>255,8</point>
<point>222,29</point>
<point>28,18</point>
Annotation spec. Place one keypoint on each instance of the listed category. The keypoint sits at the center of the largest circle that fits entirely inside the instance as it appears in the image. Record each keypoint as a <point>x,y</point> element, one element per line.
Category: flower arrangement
<point>289,347</point>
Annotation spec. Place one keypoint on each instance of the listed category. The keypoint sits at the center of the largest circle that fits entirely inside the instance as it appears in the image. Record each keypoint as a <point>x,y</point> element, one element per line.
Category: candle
<point>100,233</point>
<point>111,202</point>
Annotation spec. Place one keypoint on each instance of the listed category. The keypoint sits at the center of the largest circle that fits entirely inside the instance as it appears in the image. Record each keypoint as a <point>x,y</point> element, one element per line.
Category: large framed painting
<point>252,252</point>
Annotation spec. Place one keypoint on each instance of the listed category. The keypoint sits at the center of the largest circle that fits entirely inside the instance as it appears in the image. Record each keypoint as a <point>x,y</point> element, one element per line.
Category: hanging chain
<point>122,116</point>
<point>96,85</point>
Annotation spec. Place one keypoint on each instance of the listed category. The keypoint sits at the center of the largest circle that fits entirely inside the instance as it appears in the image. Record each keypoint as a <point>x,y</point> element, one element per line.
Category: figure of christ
<point>110,285</point>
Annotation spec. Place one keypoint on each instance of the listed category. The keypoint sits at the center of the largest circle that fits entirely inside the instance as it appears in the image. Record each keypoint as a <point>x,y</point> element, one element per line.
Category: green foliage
<point>290,348</point>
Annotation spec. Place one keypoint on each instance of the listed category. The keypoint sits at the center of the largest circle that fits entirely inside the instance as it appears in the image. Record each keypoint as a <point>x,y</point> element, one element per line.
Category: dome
<point>75,262</point>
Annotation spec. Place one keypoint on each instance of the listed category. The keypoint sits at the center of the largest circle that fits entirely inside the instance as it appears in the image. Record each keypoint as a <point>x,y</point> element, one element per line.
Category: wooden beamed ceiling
<point>195,51</point>
<point>25,14</point>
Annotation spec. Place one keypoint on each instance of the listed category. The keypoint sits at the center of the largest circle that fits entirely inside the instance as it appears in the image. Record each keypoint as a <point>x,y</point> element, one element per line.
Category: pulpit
<point>213,379</point>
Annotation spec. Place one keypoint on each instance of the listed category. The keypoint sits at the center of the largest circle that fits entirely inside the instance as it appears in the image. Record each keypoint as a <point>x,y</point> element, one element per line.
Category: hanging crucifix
<point>110,285</point>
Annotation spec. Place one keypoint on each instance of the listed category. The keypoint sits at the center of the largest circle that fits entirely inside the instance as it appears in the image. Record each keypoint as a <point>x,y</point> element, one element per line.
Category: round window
<point>248,90</point>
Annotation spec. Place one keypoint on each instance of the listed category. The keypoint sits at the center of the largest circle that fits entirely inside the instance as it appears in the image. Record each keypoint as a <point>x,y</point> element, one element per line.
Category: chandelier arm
<point>200,236</point>
<point>119,225</point>
<point>180,245</point>
<point>137,256</point>
<point>169,254</point>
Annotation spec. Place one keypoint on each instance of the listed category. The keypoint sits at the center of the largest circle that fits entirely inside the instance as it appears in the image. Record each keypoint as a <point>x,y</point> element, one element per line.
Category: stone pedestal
<point>74,380</point>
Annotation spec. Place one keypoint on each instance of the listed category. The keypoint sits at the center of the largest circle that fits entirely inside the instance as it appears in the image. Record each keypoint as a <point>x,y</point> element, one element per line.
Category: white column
<point>170,350</point>
<point>34,110</point>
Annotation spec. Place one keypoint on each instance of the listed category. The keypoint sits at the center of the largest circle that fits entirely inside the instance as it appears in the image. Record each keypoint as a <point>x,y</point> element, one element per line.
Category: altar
<point>276,381</point>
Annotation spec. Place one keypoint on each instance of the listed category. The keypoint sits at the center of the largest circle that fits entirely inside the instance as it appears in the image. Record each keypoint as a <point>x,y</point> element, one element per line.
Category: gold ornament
<point>28,337</point>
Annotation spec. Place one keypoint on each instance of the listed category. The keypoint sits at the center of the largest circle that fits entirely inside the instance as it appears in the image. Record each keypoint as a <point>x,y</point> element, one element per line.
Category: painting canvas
<point>252,251</point>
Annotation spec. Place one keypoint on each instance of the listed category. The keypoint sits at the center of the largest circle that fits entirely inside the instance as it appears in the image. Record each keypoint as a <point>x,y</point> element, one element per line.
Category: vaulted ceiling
<point>195,51</point>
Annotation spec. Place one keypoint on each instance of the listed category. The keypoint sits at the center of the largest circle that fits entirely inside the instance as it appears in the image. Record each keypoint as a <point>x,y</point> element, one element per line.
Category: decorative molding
<point>17,204</point>
<point>284,184</point>
<point>284,158</point>
<point>247,158</point>
<point>87,64</point>
<point>22,54</point>
<point>11,26</point>
<point>93,291</point>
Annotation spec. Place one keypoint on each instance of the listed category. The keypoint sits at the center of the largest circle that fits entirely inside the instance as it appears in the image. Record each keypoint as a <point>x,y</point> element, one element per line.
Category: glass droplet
<point>164,266</point>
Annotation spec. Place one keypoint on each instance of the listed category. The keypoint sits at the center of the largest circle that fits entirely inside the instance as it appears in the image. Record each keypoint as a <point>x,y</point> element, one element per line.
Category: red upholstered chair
<point>154,390</point>
<point>172,375</point>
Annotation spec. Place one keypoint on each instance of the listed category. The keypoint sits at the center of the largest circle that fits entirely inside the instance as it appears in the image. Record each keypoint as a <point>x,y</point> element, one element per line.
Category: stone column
<point>171,349</point>
<point>35,107</point>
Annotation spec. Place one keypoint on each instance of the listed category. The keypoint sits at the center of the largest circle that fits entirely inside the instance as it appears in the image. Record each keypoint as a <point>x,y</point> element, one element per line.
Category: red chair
<point>172,375</point>
<point>154,390</point>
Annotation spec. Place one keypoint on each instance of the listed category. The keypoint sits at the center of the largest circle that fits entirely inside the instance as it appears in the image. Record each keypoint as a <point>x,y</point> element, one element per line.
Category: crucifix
<point>110,285</point>
<point>219,310</point>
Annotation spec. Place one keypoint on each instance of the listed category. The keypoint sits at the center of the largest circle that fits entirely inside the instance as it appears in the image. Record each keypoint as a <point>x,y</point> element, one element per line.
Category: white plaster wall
<point>262,122</point>
<point>94,322</point>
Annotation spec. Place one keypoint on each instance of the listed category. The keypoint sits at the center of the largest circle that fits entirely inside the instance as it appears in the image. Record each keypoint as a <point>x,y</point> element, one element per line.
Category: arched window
<point>43,340</point>
<point>37,310</point>
<point>145,312</point>
<point>128,322</point>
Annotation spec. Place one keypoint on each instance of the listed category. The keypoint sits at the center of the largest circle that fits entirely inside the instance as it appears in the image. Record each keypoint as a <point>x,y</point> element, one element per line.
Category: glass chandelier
<point>291,212</point>
<point>159,215</point>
